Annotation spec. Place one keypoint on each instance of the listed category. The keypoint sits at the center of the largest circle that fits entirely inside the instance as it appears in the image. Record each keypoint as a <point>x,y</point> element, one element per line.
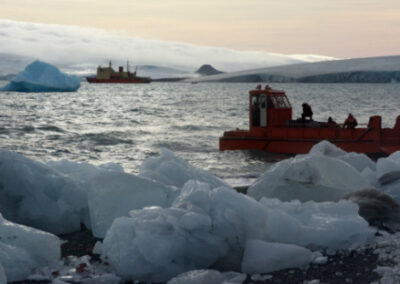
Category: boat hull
<point>373,142</point>
<point>119,81</point>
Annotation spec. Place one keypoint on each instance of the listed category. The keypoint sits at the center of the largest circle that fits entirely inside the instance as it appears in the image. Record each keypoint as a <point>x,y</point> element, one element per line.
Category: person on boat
<point>350,122</point>
<point>331,123</point>
<point>307,111</point>
<point>255,111</point>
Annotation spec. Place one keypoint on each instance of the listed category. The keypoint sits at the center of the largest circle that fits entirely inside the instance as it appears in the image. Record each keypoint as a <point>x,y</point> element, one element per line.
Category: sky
<point>337,28</point>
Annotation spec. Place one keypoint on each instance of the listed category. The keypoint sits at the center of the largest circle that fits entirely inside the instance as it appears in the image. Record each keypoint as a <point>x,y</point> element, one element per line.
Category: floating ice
<point>264,257</point>
<point>23,249</point>
<point>175,171</point>
<point>42,77</point>
<point>335,225</point>
<point>308,177</point>
<point>202,228</point>
<point>36,195</point>
<point>114,194</point>
<point>210,276</point>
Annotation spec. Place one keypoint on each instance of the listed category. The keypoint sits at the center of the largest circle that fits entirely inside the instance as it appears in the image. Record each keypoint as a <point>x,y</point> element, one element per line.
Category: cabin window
<point>263,102</point>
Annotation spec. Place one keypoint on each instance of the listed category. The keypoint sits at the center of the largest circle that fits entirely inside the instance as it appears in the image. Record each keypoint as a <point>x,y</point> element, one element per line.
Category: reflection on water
<point>128,123</point>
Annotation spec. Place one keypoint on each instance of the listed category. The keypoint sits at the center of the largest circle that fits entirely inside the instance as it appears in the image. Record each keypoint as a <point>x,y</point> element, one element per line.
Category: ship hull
<point>119,81</point>
<point>373,142</point>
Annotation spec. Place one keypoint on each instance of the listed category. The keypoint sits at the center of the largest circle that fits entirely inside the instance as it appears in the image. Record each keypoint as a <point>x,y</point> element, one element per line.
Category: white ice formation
<point>321,175</point>
<point>170,169</point>
<point>264,257</point>
<point>174,218</point>
<point>42,77</point>
<point>210,276</point>
<point>39,196</point>
<point>114,194</point>
<point>22,249</point>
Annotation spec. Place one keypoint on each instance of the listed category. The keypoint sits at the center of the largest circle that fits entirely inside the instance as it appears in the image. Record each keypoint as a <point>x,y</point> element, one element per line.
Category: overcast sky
<point>338,28</point>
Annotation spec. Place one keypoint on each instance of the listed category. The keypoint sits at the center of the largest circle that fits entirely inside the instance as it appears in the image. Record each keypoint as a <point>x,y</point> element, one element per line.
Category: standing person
<point>331,123</point>
<point>350,122</point>
<point>307,111</point>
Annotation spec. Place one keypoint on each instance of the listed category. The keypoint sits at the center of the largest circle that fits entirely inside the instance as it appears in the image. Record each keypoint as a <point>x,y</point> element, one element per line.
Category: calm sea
<point>127,123</point>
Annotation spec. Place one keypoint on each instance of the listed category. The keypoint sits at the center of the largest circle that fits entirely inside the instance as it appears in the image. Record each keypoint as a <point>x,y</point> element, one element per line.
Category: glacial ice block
<point>308,177</point>
<point>23,249</point>
<point>38,196</point>
<point>114,194</point>
<point>170,169</point>
<point>264,257</point>
<point>202,228</point>
<point>42,77</point>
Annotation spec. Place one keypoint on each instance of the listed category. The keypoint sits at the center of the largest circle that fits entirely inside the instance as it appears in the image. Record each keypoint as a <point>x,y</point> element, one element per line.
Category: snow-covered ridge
<point>293,72</point>
<point>173,217</point>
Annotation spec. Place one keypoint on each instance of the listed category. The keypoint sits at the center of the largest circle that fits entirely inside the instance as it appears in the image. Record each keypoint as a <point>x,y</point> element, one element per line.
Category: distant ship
<point>109,75</point>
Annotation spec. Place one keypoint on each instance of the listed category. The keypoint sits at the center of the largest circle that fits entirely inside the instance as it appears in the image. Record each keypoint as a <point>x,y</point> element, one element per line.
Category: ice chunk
<point>358,161</point>
<point>23,249</point>
<point>210,276</point>
<point>308,177</point>
<point>114,194</point>
<point>264,257</point>
<point>33,194</point>
<point>83,172</point>
<point>173,170</point>
<point>315,225</point>
<point>42,77</point>
<point>324,148</point>
<point>203,227</point>
<point>3,278</point>
<point>387,170</point>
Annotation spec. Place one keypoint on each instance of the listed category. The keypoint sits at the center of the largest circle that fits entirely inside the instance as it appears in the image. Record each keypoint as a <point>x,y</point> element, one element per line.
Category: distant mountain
<point>207,70</point>
<point>359,70</point>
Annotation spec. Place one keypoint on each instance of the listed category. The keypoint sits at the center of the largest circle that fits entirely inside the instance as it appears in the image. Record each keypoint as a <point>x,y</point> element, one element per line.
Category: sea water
<point>126,123</point>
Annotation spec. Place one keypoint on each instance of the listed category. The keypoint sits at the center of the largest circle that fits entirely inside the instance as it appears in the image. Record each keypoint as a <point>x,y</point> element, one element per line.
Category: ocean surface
<point>126,124</point>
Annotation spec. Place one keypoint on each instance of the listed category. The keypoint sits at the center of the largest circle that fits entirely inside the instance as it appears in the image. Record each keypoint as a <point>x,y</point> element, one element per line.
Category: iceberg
<point>42,77</point>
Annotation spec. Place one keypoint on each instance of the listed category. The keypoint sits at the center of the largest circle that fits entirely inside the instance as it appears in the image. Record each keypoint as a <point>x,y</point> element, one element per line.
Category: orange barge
<point>272,129</point>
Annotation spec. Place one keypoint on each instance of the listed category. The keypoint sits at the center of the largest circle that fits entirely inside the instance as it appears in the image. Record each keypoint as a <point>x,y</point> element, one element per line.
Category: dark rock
<point>207,70</point>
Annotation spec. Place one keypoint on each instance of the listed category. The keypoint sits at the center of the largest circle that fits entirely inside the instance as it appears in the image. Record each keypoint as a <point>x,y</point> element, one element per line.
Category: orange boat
<point>109,75</point>
<point>272,129</point>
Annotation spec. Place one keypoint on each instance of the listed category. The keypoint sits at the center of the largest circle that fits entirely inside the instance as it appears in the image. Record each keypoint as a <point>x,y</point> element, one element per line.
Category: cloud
<point>72,45</point>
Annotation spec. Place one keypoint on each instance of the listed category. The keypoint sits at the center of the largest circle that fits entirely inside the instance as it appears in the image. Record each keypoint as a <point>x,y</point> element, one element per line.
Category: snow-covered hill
<point>312,72</point>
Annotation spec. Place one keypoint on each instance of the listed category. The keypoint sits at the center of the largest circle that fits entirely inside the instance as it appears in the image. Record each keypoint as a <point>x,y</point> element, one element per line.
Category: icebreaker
<point>42,77</point>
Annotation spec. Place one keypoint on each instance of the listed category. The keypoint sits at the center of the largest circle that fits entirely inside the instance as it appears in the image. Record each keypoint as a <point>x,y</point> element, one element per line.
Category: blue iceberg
<point>42,77</point>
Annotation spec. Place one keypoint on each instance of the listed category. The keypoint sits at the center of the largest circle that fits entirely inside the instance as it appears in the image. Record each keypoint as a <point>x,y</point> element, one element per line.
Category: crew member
<point>350,122</point>
<point>307,111</point>
<point>331,123</point>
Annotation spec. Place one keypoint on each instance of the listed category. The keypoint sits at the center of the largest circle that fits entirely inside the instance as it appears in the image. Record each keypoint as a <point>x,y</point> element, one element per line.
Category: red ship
<point>272,129</point>
<point>109,75</point>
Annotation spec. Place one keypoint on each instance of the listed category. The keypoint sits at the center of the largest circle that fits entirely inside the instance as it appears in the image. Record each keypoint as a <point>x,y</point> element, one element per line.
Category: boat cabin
<point>269,107</point>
